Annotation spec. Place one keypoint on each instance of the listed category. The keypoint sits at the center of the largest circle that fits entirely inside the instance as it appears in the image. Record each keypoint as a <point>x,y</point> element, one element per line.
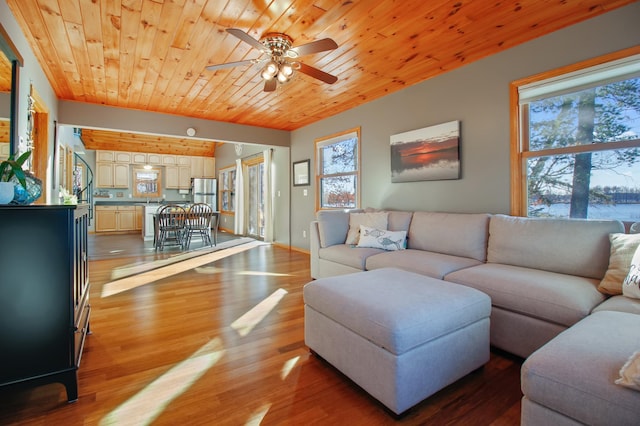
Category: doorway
<point>255,197</point>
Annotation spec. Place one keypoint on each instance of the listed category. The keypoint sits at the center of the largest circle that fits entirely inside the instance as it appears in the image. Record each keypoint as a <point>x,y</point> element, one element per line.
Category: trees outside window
<point>338,170</point>
<point>578,149</point>
<point>227,190</point>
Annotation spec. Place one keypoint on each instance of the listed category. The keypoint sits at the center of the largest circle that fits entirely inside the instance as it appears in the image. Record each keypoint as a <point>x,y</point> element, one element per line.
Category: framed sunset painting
<point>431,153</point>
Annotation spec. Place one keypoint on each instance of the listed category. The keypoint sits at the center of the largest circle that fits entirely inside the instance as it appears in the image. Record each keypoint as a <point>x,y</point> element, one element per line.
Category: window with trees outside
<point>576,143</point>
<point>227,189</point>
<point>338,170</point>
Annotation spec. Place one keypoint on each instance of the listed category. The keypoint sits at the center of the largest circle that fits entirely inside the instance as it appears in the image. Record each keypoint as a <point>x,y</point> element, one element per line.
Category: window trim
<point>328,140</point>
<point>519,143</point>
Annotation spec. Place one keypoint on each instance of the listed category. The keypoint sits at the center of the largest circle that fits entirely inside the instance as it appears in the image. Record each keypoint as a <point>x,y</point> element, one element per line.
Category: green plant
<point>11,167</point>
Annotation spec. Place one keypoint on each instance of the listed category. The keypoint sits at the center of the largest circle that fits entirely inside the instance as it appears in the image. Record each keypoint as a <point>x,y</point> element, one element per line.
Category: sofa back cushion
<point>399,220</point>
<point>457,234</point>
<point>332,227</point>
<point>566,246</point>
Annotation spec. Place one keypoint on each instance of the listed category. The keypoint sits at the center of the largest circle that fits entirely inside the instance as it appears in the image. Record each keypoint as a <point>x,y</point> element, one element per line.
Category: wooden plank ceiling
<point>151,54</point>
<point>136,142</point>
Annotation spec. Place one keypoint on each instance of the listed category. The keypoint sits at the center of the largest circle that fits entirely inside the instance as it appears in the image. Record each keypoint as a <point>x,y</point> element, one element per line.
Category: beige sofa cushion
<point>566,246</point>
<point>457,234</point>
<point>549,296</point>
<point>435,265</point>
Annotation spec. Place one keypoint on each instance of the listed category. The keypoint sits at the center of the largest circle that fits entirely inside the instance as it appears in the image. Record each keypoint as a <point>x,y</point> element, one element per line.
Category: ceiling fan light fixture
<point>282,77</point>
<point>286,69</point>
<point>270,70</point>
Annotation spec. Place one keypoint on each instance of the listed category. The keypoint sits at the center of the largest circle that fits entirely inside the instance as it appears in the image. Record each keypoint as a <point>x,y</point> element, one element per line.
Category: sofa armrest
<point>314,246</point>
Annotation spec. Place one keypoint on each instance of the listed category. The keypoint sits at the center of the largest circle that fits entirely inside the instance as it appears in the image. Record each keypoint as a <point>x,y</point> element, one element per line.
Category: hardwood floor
<point>223,344</point>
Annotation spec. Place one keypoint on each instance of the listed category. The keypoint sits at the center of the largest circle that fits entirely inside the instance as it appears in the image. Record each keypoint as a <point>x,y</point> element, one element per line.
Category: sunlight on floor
<point>145,266</point>
<point>258,416</point>
<point>125,284</point>
<point>210,270</point>
<point>146,405</point>
<point>288,366</point>
<point>263,274</point>
<point>248,321</point>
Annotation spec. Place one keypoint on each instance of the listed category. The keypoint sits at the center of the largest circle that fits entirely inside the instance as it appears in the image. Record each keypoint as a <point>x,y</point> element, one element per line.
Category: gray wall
<point>79,114</point>
<point>477,95</point>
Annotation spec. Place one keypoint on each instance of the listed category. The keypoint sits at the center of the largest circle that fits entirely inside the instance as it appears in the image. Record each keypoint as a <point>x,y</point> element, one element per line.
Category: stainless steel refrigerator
<point>203,190</point>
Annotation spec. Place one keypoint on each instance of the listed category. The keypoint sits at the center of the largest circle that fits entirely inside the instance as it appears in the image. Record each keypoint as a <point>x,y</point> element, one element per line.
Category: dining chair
<point>171,226</point>
<point>199,222</point>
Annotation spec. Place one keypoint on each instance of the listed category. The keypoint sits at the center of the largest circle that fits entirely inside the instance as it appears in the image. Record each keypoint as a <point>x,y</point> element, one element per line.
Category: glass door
<point>256,192</point>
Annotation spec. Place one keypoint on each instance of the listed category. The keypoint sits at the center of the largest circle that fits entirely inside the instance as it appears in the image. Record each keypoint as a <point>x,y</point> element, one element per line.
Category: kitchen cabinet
<point>183,160</point>
<point>138,158</point>
<point>168,160</point>
<point>154,159</point>
<point>122,157</point>
<point>209,167</point>
<point>105,156</point>
<point>177,177</point>
<point>112,175</point>
<point>116,218</point>
<point>203,167</point>
<point>4,151</point>
<point>139,217</point>
<point>44,308</point>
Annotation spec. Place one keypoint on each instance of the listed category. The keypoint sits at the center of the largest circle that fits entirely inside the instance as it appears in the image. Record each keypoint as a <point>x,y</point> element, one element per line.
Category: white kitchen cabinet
<point>154,159</point>
<point>105,156</point>
<point>169,160</point>
<point>138,158</point>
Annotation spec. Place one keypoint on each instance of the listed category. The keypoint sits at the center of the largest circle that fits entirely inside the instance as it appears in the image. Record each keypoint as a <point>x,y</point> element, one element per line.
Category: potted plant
<point>8,169</point>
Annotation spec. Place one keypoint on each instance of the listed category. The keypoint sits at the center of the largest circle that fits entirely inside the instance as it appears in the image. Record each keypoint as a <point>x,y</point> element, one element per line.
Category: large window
<point>338,170</point>
<point>576,149</point>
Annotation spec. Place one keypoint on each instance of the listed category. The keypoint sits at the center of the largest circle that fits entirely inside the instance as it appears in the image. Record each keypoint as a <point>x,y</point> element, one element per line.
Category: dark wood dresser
<point>44,294</point>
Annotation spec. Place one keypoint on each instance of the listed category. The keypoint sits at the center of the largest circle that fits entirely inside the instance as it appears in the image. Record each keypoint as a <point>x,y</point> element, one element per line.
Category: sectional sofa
<point>542,275</point>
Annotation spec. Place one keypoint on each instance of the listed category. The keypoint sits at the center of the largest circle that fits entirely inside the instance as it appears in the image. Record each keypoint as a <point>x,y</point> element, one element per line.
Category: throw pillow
<point>380,238</point>
<point>374,220</point>
<point>631,284</point>
<point>623,246</point>
<point>630,372</point>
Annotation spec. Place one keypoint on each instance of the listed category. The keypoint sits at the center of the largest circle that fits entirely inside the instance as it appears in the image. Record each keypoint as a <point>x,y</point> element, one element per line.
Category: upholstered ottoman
<point>400,336</point>
<point>571,379</point>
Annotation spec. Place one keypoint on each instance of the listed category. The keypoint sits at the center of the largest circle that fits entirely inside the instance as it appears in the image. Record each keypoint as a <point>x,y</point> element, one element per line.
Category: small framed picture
<point>301,173</point>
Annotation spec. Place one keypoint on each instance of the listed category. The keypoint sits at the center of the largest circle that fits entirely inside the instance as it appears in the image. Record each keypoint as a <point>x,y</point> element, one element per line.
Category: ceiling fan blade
<point>316,73</point>
<point>270,85</point>
<point>230,64</point>
<point>246,38</point>
<point>314,47</point>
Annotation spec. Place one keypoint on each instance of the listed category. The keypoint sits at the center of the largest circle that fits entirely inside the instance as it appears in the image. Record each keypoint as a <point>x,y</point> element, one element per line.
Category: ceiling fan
<point>280,58</point>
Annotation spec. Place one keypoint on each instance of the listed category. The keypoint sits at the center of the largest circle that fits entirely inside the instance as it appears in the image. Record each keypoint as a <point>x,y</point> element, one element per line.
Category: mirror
<point>10,63</point>
<point>147,182</point>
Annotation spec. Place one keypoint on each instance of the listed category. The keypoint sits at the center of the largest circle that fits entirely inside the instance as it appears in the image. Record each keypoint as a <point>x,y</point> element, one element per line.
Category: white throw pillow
<point>380,238</point>
<point>623,246</point>
<point>630,372</point>
<point>631,284</point>
<point>374,220</point>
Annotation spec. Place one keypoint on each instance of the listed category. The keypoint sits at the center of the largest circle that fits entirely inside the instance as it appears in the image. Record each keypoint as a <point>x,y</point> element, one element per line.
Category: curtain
<point>240,200</point>
<point>267,181</point>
